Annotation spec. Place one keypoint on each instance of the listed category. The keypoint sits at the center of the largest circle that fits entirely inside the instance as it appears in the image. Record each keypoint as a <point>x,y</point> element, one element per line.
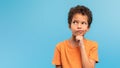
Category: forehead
<point>80,17</point>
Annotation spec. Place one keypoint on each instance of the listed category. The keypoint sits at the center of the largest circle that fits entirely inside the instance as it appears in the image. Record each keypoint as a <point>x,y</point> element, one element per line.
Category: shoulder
<point>61,44</point>
<point>92,43</point>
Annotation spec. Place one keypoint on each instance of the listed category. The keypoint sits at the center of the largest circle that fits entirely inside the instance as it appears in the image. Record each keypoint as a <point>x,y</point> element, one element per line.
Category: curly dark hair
<point>82,10</point>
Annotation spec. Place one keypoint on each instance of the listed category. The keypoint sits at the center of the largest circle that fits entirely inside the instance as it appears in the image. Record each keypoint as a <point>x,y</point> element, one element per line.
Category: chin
<point>78,34</point>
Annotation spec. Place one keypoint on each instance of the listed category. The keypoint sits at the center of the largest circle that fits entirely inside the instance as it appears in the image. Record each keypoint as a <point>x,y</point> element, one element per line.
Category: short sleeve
<point>94,52</point>
<point>56,58</point>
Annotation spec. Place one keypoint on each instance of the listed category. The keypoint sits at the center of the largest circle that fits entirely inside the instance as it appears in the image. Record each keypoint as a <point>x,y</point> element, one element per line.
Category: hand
<point>80,40</point>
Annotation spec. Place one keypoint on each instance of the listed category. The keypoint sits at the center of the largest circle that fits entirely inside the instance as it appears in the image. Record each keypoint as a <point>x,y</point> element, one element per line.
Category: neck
<point>73,41</point>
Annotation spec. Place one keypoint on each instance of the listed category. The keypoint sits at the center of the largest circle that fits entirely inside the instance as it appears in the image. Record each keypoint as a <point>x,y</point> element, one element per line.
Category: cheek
<point>85,28</point>
<point>72,31</point>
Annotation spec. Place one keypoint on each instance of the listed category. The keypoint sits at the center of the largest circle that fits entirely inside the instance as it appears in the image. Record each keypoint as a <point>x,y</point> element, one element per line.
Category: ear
<point>69,25</point>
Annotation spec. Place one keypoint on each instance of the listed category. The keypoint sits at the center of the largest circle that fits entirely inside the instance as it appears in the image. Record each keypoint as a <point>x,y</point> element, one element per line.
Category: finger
<point>79,38</point>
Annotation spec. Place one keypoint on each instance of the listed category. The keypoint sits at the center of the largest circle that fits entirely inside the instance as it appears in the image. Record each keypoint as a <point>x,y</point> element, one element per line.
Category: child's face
<point>79,24</point>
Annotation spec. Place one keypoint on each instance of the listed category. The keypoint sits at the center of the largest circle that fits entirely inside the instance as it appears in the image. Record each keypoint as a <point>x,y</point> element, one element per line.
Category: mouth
<point>79,32</point>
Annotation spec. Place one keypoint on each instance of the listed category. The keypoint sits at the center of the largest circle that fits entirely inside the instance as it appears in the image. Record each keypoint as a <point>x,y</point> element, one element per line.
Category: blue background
<point>30,30</point>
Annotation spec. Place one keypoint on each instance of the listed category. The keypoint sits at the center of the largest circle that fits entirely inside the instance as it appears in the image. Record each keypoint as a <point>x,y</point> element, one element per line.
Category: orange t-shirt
<point>70,57</point>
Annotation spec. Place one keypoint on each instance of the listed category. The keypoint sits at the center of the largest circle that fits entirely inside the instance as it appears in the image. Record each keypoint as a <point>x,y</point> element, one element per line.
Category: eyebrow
<point>78,20</point>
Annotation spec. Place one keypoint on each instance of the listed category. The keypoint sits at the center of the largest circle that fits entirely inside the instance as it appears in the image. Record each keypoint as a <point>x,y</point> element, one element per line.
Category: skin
<point>79,26</point>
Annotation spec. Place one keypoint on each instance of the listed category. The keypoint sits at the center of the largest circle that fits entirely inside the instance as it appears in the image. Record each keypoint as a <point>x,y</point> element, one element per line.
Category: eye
<point>84,23</point>
<point>75,22</point>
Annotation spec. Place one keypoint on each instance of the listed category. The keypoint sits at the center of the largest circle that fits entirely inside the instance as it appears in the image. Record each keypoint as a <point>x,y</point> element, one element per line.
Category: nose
<point>79,26</point>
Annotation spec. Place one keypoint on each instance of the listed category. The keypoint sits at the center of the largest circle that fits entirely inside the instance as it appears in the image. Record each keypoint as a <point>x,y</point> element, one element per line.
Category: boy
<point>77,52</point>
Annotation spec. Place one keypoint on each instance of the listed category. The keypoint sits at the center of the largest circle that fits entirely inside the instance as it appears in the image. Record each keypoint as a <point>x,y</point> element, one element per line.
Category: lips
<point>79,31</point>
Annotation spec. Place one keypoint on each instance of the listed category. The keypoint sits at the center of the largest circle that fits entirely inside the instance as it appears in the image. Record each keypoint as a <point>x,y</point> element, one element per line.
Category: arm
<point>86,61</point>
<point>58,66</point>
